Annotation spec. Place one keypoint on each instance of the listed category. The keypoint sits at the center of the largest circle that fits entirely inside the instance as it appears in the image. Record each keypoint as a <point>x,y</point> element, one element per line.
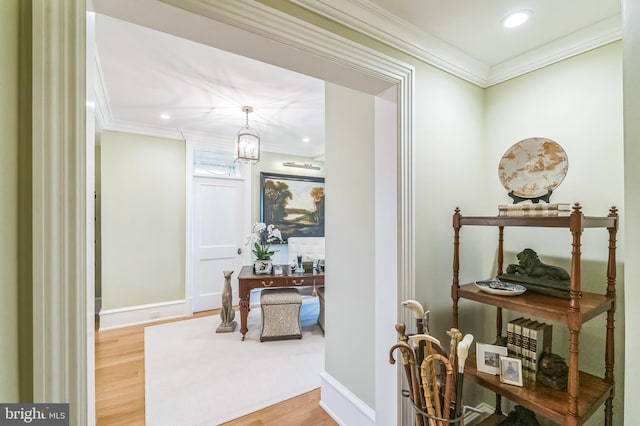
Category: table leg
<point>244,313</point>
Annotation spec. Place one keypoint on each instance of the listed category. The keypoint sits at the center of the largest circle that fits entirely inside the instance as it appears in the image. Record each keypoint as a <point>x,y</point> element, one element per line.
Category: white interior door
<point>217,239</point>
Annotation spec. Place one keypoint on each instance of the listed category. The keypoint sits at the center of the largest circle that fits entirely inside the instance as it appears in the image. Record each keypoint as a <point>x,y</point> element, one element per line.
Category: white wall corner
<point>142,314</point>
<point>342,405</point>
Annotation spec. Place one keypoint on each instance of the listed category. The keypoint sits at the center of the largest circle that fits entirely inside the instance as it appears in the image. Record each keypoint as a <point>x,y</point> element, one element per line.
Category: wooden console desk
<point>247,281</point>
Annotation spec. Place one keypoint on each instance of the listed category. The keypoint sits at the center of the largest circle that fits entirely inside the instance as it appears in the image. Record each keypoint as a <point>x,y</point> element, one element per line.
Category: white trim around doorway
<point>60,172</point>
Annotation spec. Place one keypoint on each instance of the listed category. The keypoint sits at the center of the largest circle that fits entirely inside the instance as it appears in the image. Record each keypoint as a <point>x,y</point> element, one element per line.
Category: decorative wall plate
<point>532,167</point>
<point>501,288</point>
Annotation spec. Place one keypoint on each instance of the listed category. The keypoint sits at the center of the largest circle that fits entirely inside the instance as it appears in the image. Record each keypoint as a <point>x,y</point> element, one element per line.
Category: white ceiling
<point>144,72</point>
<point>474,27</point>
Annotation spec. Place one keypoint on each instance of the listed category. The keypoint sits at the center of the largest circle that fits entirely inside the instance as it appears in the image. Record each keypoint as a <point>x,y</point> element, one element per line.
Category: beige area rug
<point>195,376</point>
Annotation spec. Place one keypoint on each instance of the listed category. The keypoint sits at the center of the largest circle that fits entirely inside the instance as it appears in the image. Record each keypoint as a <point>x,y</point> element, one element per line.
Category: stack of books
<point>527,340</point>
<point>531,209</point>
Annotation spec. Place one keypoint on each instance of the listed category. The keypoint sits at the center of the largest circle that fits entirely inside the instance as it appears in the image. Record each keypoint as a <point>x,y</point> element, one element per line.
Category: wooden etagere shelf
<point>585,393</point>
<point>544,400</point>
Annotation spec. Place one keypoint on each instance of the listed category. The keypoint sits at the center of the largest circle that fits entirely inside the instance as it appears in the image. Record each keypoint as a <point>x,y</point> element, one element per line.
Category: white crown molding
<point>275,25</point>
<point>371,20</point>
<point>594,36</point>
<point>378,24</point>
<point>215,142</point>
<point>142,129</point>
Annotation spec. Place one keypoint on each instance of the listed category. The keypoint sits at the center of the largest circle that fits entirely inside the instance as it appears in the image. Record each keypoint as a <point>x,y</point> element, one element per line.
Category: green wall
<point>16,365</point>
<point>142,219</point>
<point>9,43</point>
<point>350,240</point>
<point>577,103</point>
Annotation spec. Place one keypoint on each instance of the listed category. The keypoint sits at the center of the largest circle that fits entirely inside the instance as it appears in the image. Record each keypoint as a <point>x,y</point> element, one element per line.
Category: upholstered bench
<point>280,314</point>
<point>320,291</point>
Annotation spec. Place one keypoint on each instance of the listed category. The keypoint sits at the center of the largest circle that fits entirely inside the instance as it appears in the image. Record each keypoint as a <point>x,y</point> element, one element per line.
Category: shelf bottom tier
<point>543,400</point>
<point>491,420</point>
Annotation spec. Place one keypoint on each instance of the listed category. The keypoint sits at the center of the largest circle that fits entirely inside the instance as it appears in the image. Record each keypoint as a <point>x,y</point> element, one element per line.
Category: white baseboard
<point>132,315</point>
<point>471,416</point>
<point>347,409</point>
<point>342,405</point>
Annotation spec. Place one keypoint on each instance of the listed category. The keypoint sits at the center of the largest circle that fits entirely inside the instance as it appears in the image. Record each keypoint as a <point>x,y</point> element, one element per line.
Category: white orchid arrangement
<point>262,236</point>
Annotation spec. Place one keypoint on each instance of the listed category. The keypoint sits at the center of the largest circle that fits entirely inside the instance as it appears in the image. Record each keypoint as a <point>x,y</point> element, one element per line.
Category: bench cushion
<point>280,314</point>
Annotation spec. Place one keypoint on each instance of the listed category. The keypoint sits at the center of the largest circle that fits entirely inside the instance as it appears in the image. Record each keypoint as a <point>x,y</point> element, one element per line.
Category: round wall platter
<point>533,167</point>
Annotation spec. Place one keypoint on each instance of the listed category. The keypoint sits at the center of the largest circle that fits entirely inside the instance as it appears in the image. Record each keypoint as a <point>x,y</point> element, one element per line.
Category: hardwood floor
<point>120,386</point>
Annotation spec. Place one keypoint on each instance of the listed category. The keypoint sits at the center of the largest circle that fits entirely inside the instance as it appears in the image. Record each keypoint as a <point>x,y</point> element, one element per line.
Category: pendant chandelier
<point>247,146</point>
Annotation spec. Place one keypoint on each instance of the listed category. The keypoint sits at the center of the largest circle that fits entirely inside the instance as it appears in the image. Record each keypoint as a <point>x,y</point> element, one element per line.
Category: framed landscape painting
<point>294,204</point>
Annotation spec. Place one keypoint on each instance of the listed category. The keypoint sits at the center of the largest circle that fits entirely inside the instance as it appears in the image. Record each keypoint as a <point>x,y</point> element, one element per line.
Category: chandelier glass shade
<point>247,146</point>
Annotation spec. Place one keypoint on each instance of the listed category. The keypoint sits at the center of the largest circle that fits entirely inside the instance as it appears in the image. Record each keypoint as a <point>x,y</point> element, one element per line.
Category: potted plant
<point>262,236</point>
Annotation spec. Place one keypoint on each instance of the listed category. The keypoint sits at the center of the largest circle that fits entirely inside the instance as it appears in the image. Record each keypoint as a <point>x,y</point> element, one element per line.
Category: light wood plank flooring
<point>120,386</point>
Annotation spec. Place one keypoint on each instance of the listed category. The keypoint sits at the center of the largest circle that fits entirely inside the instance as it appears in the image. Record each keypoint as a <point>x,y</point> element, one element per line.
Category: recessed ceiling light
<point>305,140</point>
<point>516,19</point>
<point>165,116</point>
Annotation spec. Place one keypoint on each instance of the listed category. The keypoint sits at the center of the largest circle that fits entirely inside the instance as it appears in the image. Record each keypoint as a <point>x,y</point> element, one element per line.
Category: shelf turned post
<point>609,356</point>
<point>574,318</point>
<point>500,272</point>
<point>455,285</point>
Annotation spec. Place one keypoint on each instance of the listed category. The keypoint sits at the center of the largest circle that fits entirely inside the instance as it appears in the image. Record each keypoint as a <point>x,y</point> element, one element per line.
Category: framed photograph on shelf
<point>294,204</point>
<point>511,371</point>
<point>488,358</point>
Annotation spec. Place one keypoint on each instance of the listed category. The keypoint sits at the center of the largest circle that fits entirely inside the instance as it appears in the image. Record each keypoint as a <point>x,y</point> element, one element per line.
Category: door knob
<point>239,251</point>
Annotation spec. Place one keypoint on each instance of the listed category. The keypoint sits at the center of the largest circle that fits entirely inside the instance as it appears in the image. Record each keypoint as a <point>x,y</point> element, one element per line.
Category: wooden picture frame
<point>294,204</point>
<point>511,371</point>
<point>488,358</point>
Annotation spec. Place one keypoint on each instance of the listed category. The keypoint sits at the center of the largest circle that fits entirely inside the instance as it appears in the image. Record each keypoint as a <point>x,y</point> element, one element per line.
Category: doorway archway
<point>62,225</point>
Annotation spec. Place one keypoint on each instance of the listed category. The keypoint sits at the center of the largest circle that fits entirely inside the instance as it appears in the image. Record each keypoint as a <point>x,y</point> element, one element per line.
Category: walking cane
<point>422,323</point>
<point>456,337</point>
<point>463,352</point>
<point>410,369</point>
<point>438,414</point>
<point>400,329</point>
